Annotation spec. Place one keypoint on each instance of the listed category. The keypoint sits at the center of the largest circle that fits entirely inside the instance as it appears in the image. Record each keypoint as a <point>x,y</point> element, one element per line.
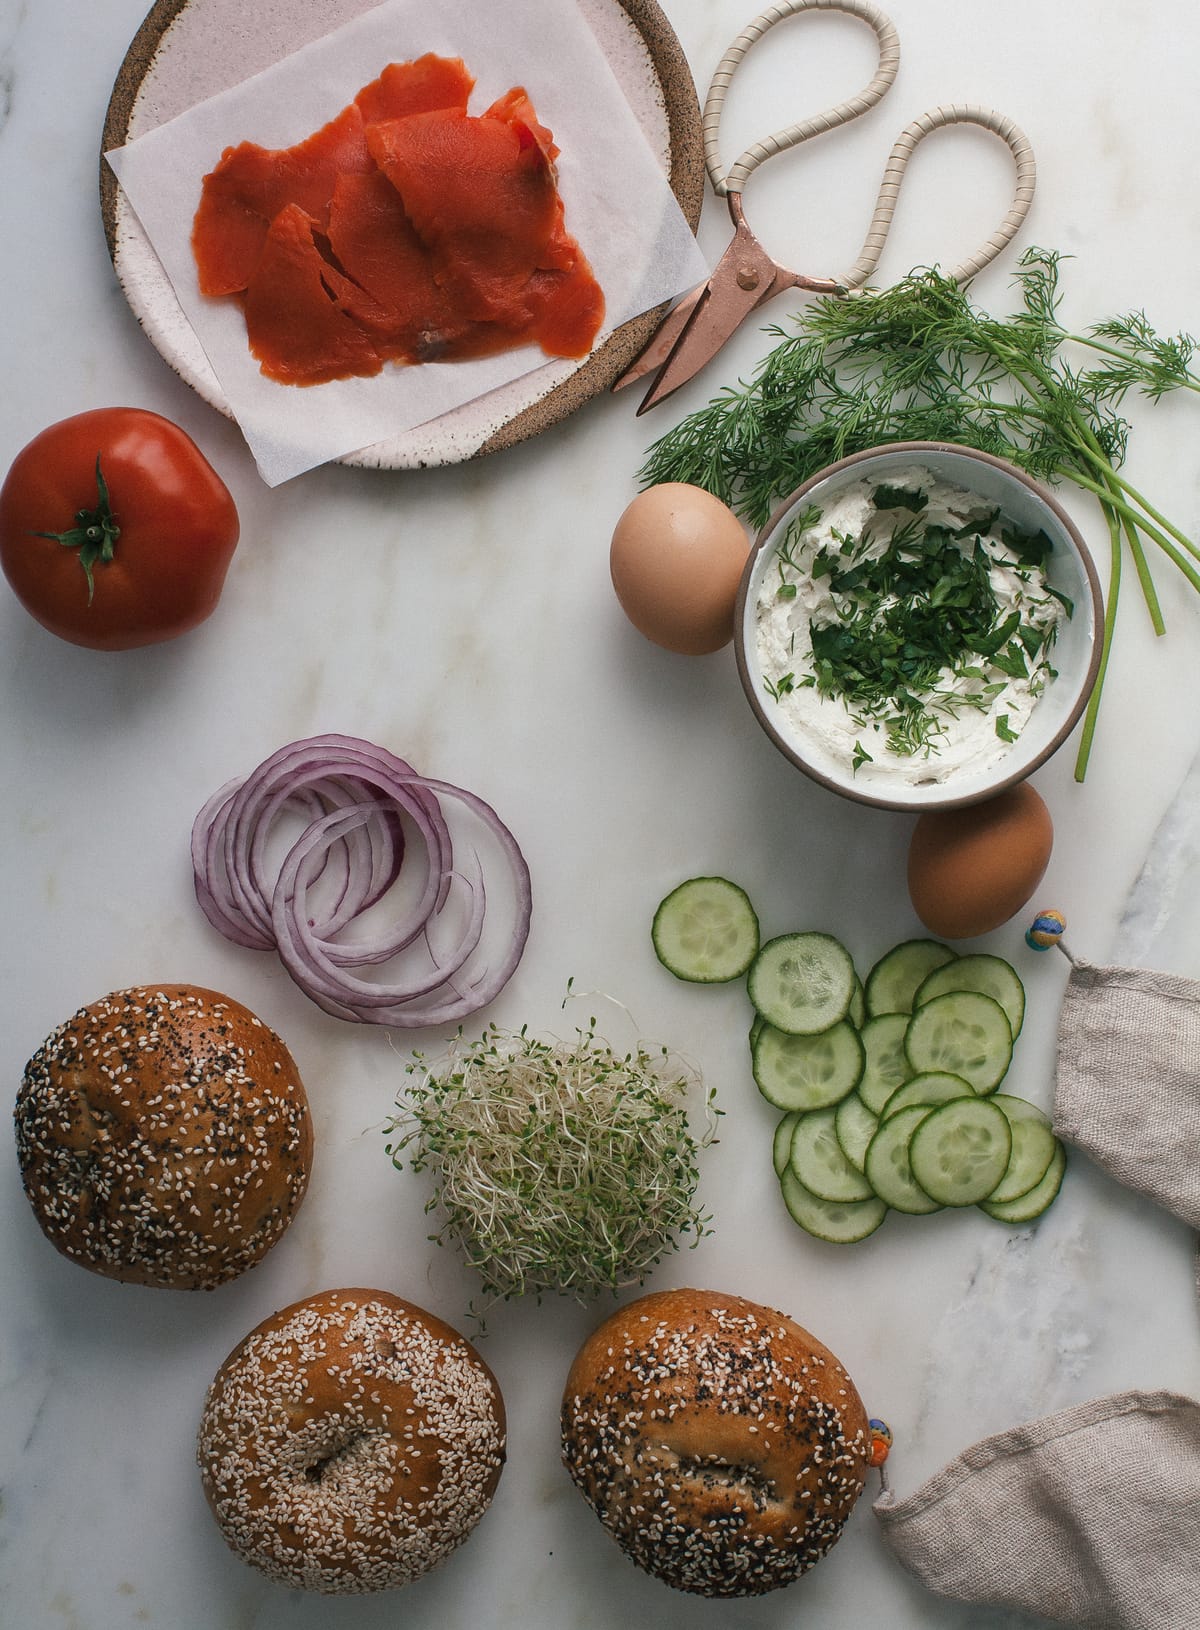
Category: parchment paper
<point>618,205</point>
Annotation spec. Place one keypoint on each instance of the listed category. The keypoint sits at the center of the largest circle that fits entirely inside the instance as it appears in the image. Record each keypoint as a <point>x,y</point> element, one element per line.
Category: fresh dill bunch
<point>1136,356</point>
<point>920,362</point>
<point>558,1166</point>
<point>1140,359</point>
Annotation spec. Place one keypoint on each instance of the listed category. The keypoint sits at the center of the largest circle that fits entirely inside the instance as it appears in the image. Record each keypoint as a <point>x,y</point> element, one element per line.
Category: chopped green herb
<point>1011,661</point>
<point>979,523</point>
<point>912,632</point>
<point>885,497</point>
<point>1030,548</point>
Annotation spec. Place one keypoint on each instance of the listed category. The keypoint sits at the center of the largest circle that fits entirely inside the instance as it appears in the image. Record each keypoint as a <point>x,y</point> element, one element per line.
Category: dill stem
<point>1160,520</point>
<point>1131,524</point>
<point>1091,712</point>
<point>1115,480</point>
<point>1161,529</point>
<point>1108,495</point>
<point>1184,565</point>
<point>1142,567</point>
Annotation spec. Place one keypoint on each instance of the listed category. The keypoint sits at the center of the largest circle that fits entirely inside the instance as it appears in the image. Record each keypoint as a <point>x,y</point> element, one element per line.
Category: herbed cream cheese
<point>905,631</point>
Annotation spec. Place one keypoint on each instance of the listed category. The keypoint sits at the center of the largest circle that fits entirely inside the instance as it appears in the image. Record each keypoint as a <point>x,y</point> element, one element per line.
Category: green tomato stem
<point>94,534</point>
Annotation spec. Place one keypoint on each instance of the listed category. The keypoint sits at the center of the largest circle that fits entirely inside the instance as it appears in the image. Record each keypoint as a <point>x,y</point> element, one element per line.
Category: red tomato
<point>115,530</point>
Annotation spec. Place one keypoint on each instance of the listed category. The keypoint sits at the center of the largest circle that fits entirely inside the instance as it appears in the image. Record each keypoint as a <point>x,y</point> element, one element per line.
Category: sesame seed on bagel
<point>164,1137</point>
<point>721,1445</point>
<point>350,1443</point>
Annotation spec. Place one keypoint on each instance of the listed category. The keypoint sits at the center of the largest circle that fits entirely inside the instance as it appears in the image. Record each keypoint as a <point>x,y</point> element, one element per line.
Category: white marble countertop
<point>464,617</point>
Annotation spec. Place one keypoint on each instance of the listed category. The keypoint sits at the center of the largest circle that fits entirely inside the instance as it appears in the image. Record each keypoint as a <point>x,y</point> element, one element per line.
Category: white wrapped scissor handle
<point>702,321</point>
<point>732,181</point>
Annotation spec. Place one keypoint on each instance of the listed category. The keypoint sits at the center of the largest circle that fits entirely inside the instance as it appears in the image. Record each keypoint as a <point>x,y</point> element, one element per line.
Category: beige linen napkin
<point>1127,1087</point>
<point>1090,1517</point>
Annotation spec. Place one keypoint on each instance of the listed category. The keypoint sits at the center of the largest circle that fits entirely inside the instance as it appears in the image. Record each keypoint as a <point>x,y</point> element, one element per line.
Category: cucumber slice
<point>818,1161</point>
<point>989,974</point>
<point>857,1013</point>
<point>961,1150</point>
<point>963,1032</point>
<point>1033,1149</point>
<point>839,1223</point>
<point>894,980</point>
<point>807,1072</point>
<point>885,1066</point>
<point>1019,1109</point>
<point>1033,1204</point>
<point>706,931</point>
<point>802,983</point>
<point>854,1126</point>
<point>888,1169</point>
<point>931,1088</point>
<point>781,1148</point>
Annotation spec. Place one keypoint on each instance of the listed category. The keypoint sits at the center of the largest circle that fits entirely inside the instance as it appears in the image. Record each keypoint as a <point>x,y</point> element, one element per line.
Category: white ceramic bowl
<point>922,783</point>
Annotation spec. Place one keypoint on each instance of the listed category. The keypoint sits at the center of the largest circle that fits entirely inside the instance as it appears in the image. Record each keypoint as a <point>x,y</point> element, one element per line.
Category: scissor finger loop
<point>905,145</point>
<point>818,124</point>
<point>746,276</point>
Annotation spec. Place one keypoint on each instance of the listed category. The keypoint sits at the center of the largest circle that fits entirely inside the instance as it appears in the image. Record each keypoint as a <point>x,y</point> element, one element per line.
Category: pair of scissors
<point>746,276</point>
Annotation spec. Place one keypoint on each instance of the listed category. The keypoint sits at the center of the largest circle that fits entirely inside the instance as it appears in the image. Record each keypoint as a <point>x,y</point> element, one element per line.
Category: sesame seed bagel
<point>720,1444</point>
<point>351,1443</point>
<point>164,1137</point>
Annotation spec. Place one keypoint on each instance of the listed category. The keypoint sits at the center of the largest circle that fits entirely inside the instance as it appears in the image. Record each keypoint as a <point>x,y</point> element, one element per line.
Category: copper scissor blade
<point>745,277</point>
<point>663,341</point>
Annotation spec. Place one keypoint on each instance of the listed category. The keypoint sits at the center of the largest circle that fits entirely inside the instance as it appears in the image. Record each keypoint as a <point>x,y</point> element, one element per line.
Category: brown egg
<point>676,560</point>
<point>971,869</point>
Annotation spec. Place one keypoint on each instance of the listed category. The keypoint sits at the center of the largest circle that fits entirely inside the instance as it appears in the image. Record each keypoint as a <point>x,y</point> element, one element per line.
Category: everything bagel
<point>720,1444</point>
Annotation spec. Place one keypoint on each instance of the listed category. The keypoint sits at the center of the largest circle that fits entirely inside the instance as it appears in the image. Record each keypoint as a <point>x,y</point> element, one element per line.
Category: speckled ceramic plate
<point>189,50</point>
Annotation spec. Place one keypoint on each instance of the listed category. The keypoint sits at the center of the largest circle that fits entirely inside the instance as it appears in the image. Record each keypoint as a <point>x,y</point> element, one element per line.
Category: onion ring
<point>367,818</point>
<point>299,770</point>
<point>241,910</point>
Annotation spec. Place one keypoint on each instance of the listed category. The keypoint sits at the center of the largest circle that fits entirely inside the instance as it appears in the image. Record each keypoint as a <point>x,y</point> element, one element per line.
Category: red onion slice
<point>313,961</point>
<point>290,772</point>
<point>367,822</point>
<point>239,906</point>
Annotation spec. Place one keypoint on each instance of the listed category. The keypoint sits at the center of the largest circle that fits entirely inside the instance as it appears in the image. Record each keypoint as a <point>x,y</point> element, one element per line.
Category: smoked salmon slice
<point>411,318</point>
<point>569,311</point>
<point>482,197</point>
<point>406,230</point>
<point>416,87</point>
<point>516,108</point>
<point>251,184</point>
<point>296,318</point>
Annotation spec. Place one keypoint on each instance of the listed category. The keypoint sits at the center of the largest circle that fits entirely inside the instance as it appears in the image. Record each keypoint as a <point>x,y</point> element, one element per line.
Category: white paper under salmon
<point>618,206</point>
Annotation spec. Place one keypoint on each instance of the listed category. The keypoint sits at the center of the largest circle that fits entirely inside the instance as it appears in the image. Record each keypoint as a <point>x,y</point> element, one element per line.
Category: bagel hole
<point>349,1449</point>
<point>85,1140</point>
<point>715,1472</point>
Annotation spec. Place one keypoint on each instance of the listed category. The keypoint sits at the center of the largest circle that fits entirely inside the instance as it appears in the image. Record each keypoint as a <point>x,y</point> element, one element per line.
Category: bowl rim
<point>1024,769</point>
